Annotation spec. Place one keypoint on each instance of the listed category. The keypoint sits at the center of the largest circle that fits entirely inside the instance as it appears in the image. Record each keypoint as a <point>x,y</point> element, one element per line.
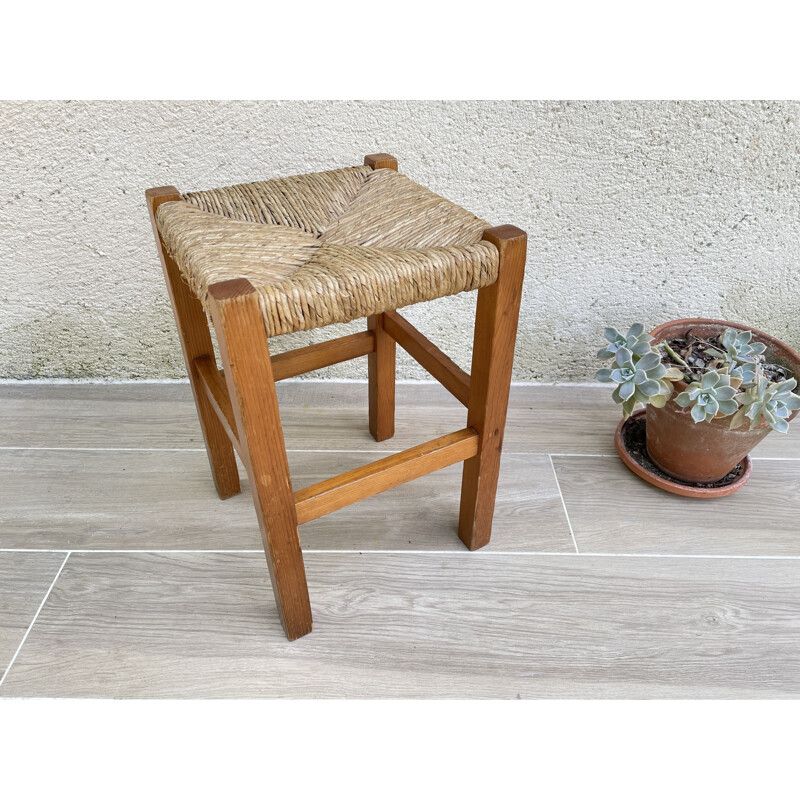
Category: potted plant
<point>712,390</point>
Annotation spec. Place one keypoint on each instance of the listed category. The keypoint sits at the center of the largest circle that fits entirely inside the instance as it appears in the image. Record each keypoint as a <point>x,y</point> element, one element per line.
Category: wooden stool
<point>294,254</point>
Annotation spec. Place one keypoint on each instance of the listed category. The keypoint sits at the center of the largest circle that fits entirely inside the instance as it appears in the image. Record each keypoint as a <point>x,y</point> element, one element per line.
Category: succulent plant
<point>742,374</point>
<point>641,379</point>
<point>635,340</point>
<point>710,397</point>
<point>740,348</point>
<point>734,383</point>
<point>773,402</point>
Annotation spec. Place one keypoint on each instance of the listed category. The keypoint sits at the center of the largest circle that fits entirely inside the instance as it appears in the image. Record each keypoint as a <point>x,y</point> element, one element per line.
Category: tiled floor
<point>123,575</point>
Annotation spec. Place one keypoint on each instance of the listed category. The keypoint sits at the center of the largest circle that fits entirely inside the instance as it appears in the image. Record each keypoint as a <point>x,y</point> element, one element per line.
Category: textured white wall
<point>634,211</point>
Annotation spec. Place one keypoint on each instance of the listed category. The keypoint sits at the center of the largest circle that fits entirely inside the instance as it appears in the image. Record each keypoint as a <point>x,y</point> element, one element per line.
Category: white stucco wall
<point>634,211</point>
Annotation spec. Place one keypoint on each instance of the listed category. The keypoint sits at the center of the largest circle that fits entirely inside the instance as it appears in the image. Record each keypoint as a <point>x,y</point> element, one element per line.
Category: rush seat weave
<point>328,247</point>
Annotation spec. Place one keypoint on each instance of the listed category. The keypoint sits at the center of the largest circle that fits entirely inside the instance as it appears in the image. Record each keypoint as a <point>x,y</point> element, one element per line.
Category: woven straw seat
<point>330,246</point>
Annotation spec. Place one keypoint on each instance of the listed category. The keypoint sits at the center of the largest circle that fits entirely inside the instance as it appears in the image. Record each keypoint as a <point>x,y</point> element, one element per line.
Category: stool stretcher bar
<point>428,355</point>
<point>349,487</point>
<point>284,365</point>
<point>324,354</point>
<point>335,493</point>
<point>213,382</point>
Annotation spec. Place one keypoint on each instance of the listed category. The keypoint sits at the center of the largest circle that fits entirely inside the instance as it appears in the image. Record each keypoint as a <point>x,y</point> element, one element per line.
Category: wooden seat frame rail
<point>238,405</point>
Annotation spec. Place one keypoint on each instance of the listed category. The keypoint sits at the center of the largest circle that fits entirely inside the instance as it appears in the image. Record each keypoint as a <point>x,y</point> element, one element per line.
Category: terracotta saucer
<point>646,470</point>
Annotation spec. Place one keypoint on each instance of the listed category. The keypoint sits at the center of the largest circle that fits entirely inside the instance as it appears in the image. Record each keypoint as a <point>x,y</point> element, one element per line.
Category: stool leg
<point>381,371</point>
<point>236,313</point>
<point>492,360</point>
<point>196,342</point>
<point>381,363</point>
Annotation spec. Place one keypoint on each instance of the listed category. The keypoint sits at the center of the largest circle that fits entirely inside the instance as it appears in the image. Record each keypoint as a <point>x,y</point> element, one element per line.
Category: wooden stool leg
<point>381,371</point>
<point>381,363</point>
<point>492,360</point>
<point>236,313</point>
<point>196,342</point>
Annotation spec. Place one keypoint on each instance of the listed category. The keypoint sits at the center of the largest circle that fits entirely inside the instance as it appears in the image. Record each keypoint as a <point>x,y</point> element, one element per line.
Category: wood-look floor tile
<point>614,511</point>
<point>456,625</point>
<point>93,415</point>
<point>314,416</point>
<point>73,499</point>
<point>24,581</point>
<point>541,419</point>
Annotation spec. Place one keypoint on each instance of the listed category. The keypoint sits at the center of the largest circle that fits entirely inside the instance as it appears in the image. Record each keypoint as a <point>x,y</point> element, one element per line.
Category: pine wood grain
<point>381,362</point>
<point>213,384</point>
<point>244,351</point>
<point>386,473</point>
<point>323,354</point>
<point>195,339</point>
<point>422,350</point>
<point>381,376</point>
<point>496,320</point>
<point>150,625</point>
<point>381,161</point>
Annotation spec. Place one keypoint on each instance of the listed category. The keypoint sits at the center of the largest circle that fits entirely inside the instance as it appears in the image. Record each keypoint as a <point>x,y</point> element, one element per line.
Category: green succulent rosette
<point>773,402</point>
<point>640,379</point>
<point>711,396</point>
<point>636,341</point>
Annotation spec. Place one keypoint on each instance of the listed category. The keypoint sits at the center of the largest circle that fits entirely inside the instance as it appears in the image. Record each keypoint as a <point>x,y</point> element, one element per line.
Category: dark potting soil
<point>703,354</point>
<point>635,441</point>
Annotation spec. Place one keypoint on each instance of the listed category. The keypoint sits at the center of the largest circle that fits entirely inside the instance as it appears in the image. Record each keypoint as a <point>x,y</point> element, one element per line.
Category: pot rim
<point>658,334</point>
<point>759,334</point>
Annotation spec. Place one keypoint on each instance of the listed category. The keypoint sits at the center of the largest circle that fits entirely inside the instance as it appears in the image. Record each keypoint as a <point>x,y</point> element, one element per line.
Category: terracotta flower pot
<point>706,452</point>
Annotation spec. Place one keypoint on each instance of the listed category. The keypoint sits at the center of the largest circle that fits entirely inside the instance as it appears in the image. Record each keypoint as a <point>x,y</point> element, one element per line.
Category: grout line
<point>194,450</point>
<point>131,550</point>
<point>33,621</point>
<point>93,381</point>
<point>111,449</point>
<point>458,552</point>
<point>566,554</point>
<point>344,450</point>
<point>334,450</point>
<point>582,455</point>
<point>614,455</point>
<point>563,504</point>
